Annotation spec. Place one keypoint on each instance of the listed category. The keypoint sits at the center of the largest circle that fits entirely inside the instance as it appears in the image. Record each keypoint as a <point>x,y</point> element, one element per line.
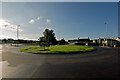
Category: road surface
<point>102,63</point>
<point>0,61</point>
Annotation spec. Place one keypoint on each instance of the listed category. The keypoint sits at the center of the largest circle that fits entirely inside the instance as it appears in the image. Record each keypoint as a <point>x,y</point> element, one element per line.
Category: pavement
<point>102,63</point>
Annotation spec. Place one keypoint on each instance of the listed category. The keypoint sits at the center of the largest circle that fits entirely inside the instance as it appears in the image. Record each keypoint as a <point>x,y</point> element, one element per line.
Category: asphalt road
<point>0,61</point>
<point>102,63</point>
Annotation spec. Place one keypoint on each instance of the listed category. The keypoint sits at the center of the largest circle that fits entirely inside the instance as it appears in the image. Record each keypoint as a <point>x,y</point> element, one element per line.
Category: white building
<point>118,39</point>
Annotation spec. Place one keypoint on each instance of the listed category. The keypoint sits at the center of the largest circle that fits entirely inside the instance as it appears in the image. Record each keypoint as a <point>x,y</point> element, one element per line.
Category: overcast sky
<point>69,20</point>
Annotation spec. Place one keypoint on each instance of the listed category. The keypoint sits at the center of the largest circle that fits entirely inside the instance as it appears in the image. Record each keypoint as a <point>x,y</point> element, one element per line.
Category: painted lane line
<point>34,71</point>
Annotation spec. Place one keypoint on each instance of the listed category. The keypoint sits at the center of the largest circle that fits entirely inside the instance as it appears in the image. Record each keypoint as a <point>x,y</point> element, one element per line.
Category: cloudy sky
<point>69,20</point>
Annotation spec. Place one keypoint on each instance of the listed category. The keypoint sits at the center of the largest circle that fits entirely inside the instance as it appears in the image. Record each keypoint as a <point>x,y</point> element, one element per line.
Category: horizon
<point>69,20</point>
<point>65,39</point>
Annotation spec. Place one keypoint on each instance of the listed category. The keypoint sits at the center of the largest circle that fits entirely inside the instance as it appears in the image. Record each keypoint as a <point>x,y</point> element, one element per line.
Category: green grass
<point>56,49</point>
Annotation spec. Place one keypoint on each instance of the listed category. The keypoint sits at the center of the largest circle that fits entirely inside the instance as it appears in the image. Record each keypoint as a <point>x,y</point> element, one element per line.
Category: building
<point>96,42</point>
<point>10,40</point>
<point>72,42</point>
<point>110,42</point>
<point>79,41</point>
<point>118,39</point>
<point>100,40</point>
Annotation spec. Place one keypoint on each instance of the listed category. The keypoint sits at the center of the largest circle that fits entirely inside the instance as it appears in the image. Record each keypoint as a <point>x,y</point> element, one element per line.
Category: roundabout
<point>58,49</point>
<point>102,63</point>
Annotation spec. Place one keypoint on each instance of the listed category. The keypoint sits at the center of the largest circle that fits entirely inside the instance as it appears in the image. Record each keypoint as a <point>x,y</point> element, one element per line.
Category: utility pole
<point>106,33</point>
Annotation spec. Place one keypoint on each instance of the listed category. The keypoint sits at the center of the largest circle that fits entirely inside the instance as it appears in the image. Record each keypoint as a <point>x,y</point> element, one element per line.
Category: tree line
<point>48,38</point>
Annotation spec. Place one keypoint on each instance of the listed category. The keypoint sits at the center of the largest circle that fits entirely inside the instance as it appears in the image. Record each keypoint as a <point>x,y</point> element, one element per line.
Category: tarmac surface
<point>102,63</point>
<point>0,61</point>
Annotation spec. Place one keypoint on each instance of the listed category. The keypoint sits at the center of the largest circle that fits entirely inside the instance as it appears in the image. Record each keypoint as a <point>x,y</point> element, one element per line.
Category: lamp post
<point>99,42</point>
<point>18,31</point>
<point>111,40</point>
<point>106,33</point>
<point>18,26</point>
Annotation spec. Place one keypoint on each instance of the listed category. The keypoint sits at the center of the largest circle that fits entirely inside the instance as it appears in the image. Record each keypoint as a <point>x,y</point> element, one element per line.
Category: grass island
<point>57,49</point>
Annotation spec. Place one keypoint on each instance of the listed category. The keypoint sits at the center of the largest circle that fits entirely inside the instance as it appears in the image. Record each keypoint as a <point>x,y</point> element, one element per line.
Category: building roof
<point>78,40</point>
<point>72,40</point>
<point>111,40</point>
<point>83,39</point>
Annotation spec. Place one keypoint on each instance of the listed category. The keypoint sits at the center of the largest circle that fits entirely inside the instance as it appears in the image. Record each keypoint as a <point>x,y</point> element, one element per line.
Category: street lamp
<point>106,33</point>
<point>106,29</point>
<point>18,31</point>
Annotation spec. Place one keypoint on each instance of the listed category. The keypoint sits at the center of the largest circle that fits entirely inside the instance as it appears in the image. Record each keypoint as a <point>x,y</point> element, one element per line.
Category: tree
<point>4,40</point>
<point>62,42</point>
<point>41,39</point>
<point>49,36</point>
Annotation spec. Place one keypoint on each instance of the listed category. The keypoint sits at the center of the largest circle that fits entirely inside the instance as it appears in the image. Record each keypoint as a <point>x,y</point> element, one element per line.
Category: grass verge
<point>56,49</point>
